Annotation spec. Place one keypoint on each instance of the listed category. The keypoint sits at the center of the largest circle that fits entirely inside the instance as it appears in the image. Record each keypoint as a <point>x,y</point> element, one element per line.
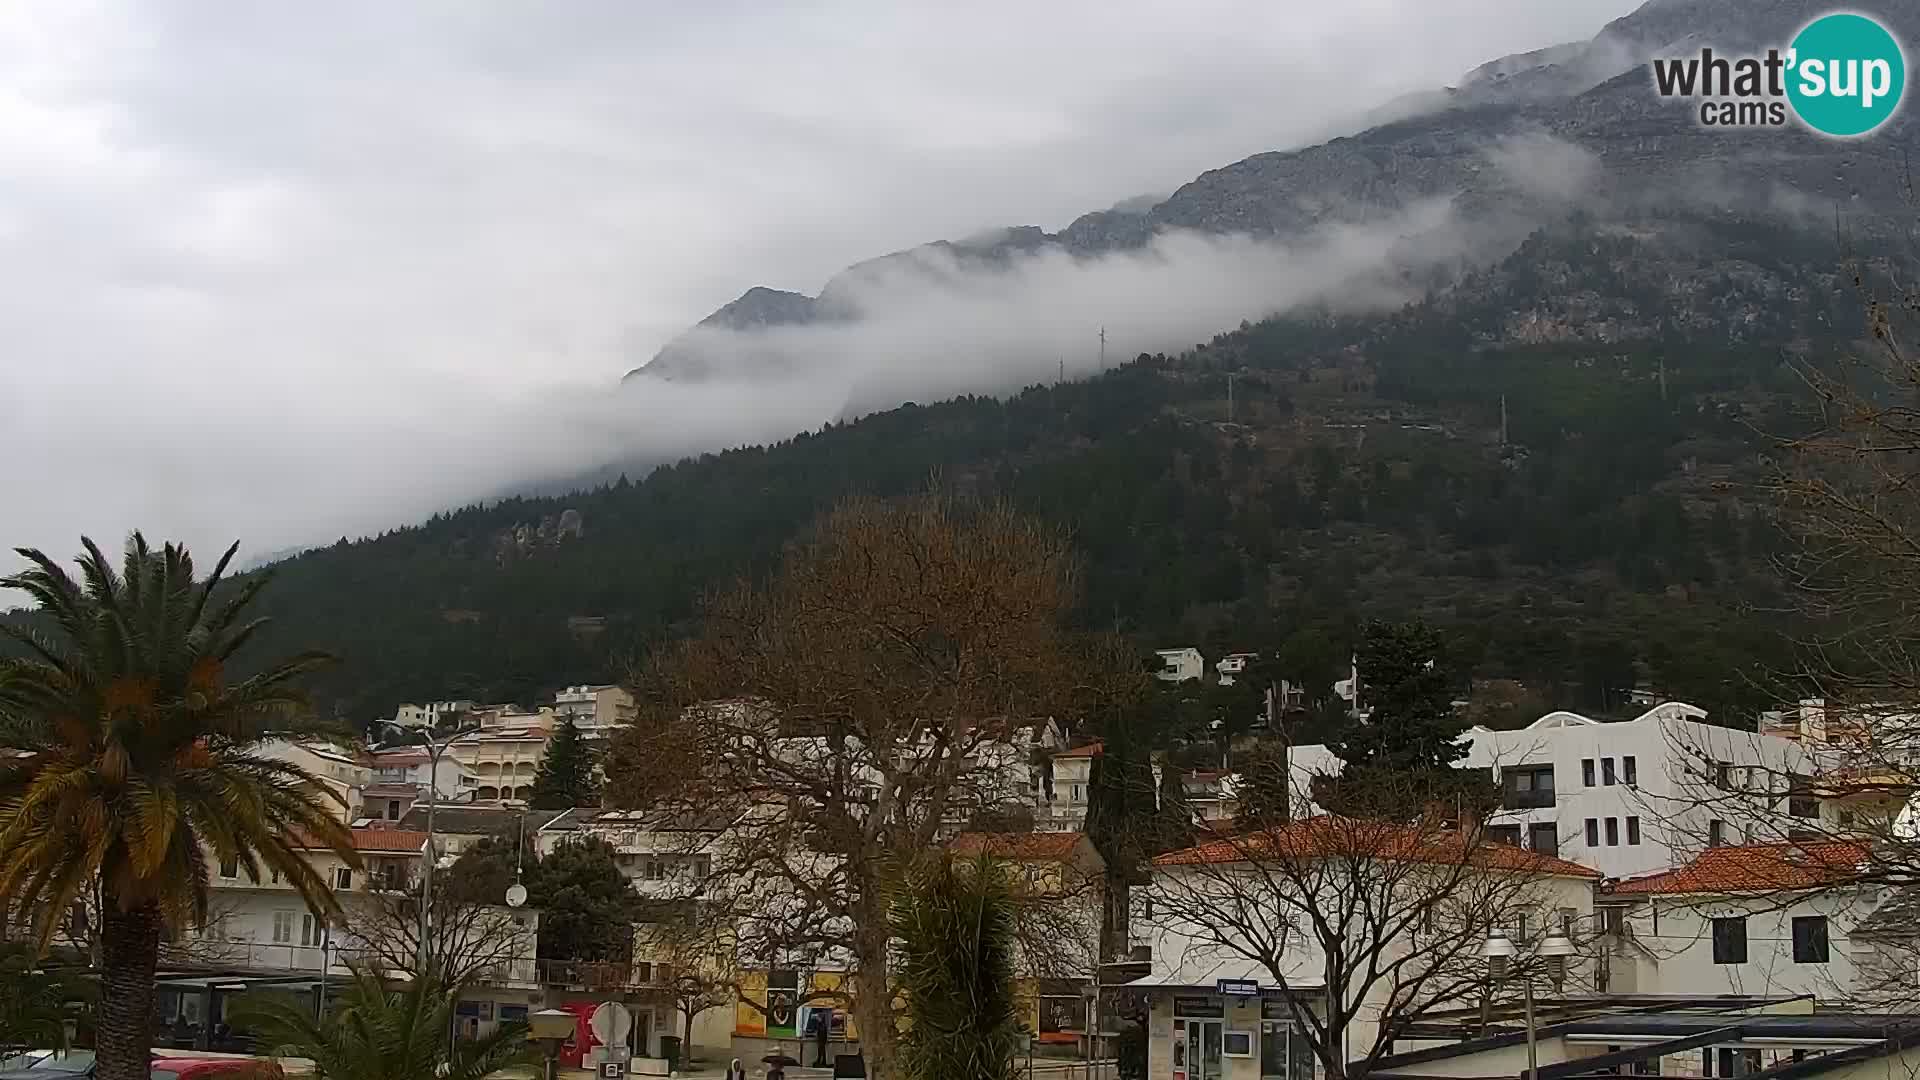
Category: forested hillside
<point>1620,534</point>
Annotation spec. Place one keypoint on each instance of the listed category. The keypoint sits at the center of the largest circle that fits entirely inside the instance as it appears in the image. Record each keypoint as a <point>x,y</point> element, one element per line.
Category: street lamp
<point>1554,949</point>
<point>551,1028</point>
<point>435,748</point>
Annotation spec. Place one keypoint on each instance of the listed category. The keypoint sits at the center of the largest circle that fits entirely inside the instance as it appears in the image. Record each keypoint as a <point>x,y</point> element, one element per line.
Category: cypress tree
<point>568,771</point>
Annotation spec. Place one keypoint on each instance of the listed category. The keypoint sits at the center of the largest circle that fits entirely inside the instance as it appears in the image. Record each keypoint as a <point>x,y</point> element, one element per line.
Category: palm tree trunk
<point>130,949</point>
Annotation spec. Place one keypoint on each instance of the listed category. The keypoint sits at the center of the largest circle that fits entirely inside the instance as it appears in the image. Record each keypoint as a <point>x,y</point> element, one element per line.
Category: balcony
<point>603,975</point>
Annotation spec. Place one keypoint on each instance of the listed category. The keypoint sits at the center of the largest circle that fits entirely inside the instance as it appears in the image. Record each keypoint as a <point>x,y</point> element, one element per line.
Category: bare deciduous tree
<point>1367,926</point>
<point>866,699</point>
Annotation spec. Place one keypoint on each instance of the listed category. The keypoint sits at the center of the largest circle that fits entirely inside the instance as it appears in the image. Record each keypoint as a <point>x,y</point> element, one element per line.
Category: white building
<point>343,773</point>
<point>400,778</point>
<point>1762,919</point>
<point>1180,665</point>
<point>1216,890</point>
<point>1636,796</point>
<point>1062,802</point>
<point>596,710</point>
<point>503,758</point>
<point>1232,665</point>
<point>431,715</point>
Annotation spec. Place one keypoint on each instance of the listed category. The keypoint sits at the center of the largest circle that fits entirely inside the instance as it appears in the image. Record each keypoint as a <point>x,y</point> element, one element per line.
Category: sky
<point>285,272</point>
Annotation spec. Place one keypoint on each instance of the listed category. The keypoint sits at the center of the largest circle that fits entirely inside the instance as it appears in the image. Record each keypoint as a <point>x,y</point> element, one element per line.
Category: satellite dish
<point>516,894</point>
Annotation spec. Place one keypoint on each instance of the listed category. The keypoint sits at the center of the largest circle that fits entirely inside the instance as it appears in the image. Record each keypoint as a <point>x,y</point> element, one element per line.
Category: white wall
<point>1673,804</point>
<point>1669,948</point>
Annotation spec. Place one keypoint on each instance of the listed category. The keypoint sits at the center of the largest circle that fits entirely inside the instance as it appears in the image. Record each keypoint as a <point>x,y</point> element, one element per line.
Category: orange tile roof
<point>407,841</point>
<point>1090,750</point>
<point>1755,868</point>
<point>1054,846</point>
<point>1329,836</point>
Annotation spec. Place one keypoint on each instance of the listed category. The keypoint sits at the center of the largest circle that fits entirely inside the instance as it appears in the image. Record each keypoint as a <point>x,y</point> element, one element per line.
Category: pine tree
<point>1408,685</point>
<point>568,773</point>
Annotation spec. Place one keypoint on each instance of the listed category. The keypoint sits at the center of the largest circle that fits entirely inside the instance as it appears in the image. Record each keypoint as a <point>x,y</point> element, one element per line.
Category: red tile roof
<point>1089,750</point>
<point>407,841</point>
<point>1327,836</point>
<point>1053,846</point>
<point>1756,868</point>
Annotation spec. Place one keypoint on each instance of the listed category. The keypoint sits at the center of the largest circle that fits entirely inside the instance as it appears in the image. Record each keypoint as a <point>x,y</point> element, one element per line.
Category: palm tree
<point>956,923</point>
<point>139,764</point>
<point>374,1033</point>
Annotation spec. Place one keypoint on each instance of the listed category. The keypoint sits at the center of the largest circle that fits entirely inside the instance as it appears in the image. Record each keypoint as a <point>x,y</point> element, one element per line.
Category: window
<point>1723,775</point>
<point>393,809</point>
<point>1735,1061</point>
<point>1504,834</point>
<point>342,878</point>
<point>1586,771</point>
<point>1613,832</point>
<point>1527,787</point>
<point>1543,837</point>
<point>309,931</point>
<point>1646,1066</point>
<point>1810,939</point>
<point>1630,776</point>
<point>230,867</point>
<point>1633,832</point>
<point>276,875</point>
<point>1593,832</point>
<point>1730,940</point>
<point>1146,907</point>
<point>1607,777</point>
<point>1716,833</point>
<point>656,870</point>
<point>1800,802</point>
<point>1076,793</point>
<point>282,927</point>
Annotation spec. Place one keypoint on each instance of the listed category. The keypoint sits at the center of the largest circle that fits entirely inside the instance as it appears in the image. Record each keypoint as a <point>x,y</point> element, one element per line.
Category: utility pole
<point>1063,372</point>
<point>1103,348</point>
<point>1503,419</point>
<point>1663,379</point>
<point>1229,397</point>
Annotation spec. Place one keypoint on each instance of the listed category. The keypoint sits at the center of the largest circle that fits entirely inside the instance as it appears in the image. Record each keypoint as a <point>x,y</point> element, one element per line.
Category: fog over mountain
<point>285,277</point>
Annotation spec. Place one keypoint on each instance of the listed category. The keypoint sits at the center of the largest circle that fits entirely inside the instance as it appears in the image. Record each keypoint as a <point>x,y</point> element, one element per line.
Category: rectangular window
<point>1736,1062</point>
<point>1633,832</point>
<point>1593,832</point>
<point>1716,833</point>
<point>1730,940</point>
<point>1613,832</point>
<point>1801,802</point>
<point>1586,771</point>
<point>309,934</point>
<point>230,867</point>
<point>1076,793</point>
<point>1544,837</point>
<point>1706,1062</point>
<point>1504,834</point>
<point>1630,776</point>
<point>282,927</point>
<point>343,878</point>
<point>1606,772</point>
<point>1528,787</point>
<point>1810,939</point>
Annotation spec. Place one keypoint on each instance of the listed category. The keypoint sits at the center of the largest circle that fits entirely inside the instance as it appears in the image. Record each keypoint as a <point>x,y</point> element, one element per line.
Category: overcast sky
<point>283,272</point>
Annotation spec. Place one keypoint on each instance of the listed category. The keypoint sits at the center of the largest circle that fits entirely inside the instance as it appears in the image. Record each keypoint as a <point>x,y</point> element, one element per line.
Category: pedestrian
<point>736,1071</point>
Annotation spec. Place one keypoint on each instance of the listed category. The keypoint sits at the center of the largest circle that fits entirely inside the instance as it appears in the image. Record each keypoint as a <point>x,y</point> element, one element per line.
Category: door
<point>1203,1050</point>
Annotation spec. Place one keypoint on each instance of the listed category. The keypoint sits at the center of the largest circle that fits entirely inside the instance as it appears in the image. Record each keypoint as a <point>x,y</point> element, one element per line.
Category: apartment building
<point>596,710</point>
<point>503,757</point>
<point>1636,796</point>
<point>342,772</point>
<point>402,776</point>
<point>433,714</point>
<point>1061,805</point>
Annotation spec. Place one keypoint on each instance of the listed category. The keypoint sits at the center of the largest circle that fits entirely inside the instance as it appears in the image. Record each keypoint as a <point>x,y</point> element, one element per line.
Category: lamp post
<point>551,1028</point>
<point>1554,949</point>
<point>435,749</point>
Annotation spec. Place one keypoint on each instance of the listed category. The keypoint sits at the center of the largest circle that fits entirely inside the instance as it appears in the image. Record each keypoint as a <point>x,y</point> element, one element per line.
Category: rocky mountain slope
<point>1511,146</point>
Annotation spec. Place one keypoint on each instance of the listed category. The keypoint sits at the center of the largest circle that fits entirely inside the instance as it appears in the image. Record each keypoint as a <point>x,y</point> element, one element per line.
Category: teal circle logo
<point>1846,74</point>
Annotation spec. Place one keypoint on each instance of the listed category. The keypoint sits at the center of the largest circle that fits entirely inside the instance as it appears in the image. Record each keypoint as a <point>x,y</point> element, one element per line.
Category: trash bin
<point>670,1049</point>
<point>849,1066</point>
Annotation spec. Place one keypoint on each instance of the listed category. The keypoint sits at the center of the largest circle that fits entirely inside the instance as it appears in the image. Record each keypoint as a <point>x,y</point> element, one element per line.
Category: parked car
<point>187,1068</point>
<point>48,1065</point>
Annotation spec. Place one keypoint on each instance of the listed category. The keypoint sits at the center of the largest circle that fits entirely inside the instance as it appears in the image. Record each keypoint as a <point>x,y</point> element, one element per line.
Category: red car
<point>188,1068</point>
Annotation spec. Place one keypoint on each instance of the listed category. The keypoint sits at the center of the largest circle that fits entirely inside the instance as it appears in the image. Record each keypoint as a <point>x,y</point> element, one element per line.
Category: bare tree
<point>853,708</point>
<point>1367,926</point>
<point>467,941</point>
